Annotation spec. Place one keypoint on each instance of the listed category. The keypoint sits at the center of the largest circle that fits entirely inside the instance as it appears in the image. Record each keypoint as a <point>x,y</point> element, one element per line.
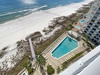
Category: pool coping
<point>66,53</point>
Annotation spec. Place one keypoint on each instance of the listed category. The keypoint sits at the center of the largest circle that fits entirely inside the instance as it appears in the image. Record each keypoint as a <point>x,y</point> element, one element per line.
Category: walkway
<point>32,49</point>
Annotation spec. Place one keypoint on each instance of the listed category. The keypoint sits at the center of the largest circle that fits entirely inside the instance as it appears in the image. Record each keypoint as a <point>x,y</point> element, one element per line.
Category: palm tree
<point>40,62</point>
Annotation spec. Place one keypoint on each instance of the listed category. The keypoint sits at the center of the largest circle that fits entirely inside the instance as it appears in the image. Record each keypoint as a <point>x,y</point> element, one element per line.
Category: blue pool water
<point>79,27</point>
<point>67,45</point>
<point>82,21</point>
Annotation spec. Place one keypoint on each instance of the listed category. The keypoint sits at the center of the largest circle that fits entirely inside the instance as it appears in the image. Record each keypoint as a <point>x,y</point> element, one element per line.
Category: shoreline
<point>15,30</point>
<point>41,18</point>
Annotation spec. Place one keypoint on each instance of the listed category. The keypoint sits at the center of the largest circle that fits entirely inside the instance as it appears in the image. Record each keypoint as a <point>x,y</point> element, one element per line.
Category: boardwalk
<point>32,49</point>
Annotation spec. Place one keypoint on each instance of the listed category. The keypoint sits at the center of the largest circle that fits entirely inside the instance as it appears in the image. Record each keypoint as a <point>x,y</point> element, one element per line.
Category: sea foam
<point>26,10</point>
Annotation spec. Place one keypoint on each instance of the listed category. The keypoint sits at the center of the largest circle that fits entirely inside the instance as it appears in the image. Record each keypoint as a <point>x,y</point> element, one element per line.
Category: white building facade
<point>92,24</point>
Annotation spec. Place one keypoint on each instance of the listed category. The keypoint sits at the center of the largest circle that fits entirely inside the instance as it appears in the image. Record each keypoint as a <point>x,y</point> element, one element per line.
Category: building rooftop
<point>87,65</point>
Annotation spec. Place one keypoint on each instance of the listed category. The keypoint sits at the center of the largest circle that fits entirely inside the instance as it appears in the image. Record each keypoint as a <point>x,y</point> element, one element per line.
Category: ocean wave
<point>9,13</point>
<point>26,10</point>
<point>35,9</point>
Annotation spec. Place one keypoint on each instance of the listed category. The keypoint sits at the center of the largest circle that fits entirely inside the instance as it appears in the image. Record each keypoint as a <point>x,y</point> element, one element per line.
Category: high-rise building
<point>92,24</point>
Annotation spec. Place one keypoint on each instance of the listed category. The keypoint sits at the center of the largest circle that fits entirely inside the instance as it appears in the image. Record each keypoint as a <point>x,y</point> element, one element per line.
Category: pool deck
<point>57,62</point>
<point>50,60</point>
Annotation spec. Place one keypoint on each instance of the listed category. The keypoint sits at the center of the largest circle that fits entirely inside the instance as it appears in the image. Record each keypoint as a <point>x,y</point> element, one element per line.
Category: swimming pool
<point>79,27</point>
<point>67,45</point>
<point>82,21</point>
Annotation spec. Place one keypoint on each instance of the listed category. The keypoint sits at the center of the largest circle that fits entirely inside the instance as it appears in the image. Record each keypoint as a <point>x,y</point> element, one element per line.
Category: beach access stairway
<point>32,49</point>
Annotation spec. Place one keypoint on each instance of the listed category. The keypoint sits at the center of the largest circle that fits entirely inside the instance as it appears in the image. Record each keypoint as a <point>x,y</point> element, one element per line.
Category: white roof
<point>73,33</point>
<point>93,68</point>
<point>87,65</point>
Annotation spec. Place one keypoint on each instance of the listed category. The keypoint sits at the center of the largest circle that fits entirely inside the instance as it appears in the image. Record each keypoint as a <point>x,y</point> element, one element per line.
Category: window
<point>85,31</point>
<point>97,34</point>
<point>90,23</point>
<point>95,17</point>
<point>91,31</point>
<point>98,22</point>
<point>90,34</point>
<point>92,39</point>
<point>95,41</point>
<point>92,20</point>
<point>97,38</point>
<point>96,26</point>
<point>88,26</point>
<point>99,8</point>
<point>94,29</point>
<point>97,44</point>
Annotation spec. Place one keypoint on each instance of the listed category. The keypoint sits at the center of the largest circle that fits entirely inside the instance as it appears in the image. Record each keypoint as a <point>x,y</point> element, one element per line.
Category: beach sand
<point>12,31</point>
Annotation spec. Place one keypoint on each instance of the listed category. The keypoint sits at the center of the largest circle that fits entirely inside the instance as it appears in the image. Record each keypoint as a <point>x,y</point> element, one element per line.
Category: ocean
<point>12,9</point>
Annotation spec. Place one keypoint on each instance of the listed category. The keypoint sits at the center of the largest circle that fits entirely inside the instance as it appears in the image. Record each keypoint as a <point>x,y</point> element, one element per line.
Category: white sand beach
<point>18,29</point>
<point>12,31</point>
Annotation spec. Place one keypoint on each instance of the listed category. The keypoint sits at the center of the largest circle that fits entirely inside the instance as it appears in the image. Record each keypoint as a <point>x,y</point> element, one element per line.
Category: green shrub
<point>90,45</point>
<point>41,60</point>
<point>50,69</point>
<point>30,70</point>
<point>64,65</point>
<point>77,55</point>
<point>58,70</point>
<point>26,64</point>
